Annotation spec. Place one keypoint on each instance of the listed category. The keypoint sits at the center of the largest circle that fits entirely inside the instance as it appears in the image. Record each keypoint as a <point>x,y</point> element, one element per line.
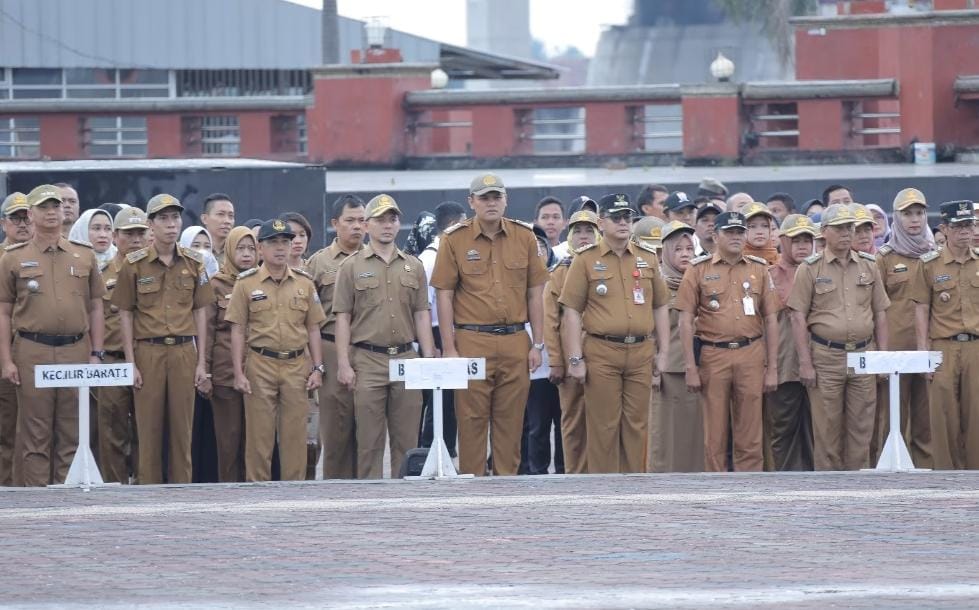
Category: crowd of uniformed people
<point>670,333</point>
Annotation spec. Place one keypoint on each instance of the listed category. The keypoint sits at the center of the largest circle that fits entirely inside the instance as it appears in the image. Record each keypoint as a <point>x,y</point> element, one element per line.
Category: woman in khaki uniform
<point>227,404</point>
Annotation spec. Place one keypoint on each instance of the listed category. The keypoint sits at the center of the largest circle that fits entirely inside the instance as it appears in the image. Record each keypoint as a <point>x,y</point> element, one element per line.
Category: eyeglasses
<point>18,220</point>
<point>617,218</point>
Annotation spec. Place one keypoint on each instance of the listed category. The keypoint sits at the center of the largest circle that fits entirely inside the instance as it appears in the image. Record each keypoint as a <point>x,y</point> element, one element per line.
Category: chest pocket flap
<point>30,272</point>
<point>409,281</point>
<point>824,287</point>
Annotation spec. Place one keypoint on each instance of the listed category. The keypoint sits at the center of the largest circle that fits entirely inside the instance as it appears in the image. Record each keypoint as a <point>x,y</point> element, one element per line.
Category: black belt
<point>849,346</point>
<point>737,344</point>
<point>51,340</point>
<point>628,339</point>
<point>271,353</point>
<point>169,340</point>
<point>115,354</point>
<point>496,329</point>
<point>328,337</point>
<point>963,337</point>
<point>392,350</point>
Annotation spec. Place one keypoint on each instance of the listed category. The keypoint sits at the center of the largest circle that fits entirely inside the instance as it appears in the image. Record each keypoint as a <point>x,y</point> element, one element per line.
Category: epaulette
<point>884,250</point>
<point>79,242</point>
<point>585,248</point>
<point>700,259</point>
<point>757,259</point>
<point>102,266</point>
<point>869,257</point>
<point>14,246</point>
<point>813,258</point>
<point>138,255</point>
<point>194,254</point>
<point>248,272</point>
<point>929,256</point>
<point>301,272</point>
<point>646,248</point>
<point>522,223</point>
<point>564,262</point>
<point>458,225</point>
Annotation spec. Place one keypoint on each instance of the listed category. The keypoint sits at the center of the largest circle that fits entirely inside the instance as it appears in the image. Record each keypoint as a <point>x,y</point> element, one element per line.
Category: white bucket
<point>924,153</point>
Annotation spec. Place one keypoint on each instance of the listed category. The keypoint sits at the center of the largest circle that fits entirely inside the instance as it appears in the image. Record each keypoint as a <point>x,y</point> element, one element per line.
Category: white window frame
<point>16,144</point>
<point>97,136</point>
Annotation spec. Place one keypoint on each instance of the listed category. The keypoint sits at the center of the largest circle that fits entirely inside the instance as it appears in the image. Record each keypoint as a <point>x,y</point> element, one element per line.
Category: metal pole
<point>895,416</point>
<point>437,440</point>
<point>83,437</point>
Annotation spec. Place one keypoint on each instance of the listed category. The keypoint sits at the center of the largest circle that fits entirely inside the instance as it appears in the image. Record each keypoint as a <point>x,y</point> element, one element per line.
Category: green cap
<point>14,202</point>
<point>130,218</point>
<point>381,204</point>
<point>797,224</point>
<point>160,202</point>
<point>484,183</point>
<point>836,214</point>
<point>43,193</point>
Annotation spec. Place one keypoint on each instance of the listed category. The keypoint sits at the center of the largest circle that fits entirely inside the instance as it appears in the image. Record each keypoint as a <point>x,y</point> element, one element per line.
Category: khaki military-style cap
<point>484,183</point>
<point>906,198</point>
<point>861,215</point>
<point>585,216</point>
<point>648,228</point>
<point>380,204</point>
<point>675,227</point>
<point>756,208</point>
<point>14,202</point>
<point>836,214</point>
<point>160,202</point>
<point>130,218</point>
<point>43,193</point>
<point>797,224</point>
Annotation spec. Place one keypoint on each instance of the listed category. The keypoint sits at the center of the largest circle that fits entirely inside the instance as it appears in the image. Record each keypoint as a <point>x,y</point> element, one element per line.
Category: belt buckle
<point>733,345</point>
<point>629,340</point>
<point>962,337</point>
<point>850,346</point>
<point>169,341</point>
<point>392,351</point>
<point>499,330</point>
<point>282,355</point>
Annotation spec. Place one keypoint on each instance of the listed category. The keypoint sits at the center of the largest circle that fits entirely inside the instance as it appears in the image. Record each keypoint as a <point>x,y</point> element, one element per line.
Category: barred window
<point>82,83</point>
<point>116,136</point>
<point>20,138</point>
<point>220,136</point>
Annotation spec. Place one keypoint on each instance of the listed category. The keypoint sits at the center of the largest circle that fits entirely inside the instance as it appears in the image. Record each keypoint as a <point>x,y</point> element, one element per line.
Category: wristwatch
<point>538,346</point>
<point>573,360</point>
<point>320,368</point>
<point>100,354</point>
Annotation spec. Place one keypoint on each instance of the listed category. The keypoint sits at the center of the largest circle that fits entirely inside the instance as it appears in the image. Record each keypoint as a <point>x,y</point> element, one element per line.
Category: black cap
<point>582,202</point>
<point>730,220</point>
<point>708,208</point>
<point>614,203</point>
<point>251,223</point>
<point>274,228</point>
<point>957,211</point>
<point>677,201</point>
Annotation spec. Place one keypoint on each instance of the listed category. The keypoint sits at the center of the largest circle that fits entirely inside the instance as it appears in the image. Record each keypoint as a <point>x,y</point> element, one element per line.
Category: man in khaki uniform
<point>787,424</point>
<point>728,301</point>
<point>381,307</point>
<point>839,303</point>
<point>162,293</point>
<point>946,293</point>
<point>17,228</point>
<point>51,295</point>
<point>582,232</point>
<point>117,416</point>
<point>615,293</point>
<point>490,275</point>
<point>899,261</point>
<point>337,430</point>
<point>275,311</point>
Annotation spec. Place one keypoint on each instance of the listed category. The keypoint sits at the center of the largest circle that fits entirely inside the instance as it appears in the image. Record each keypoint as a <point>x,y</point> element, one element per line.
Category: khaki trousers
<point>8,431</point>
<point>955,406</point>
<point>915,419</point>
<point>165,403</point>
<point>617,388</point>
<point>676,427</point>
<point>842,408</point>
<point>573,429</point>
<point>276,409</point>
<point>337,426</point>
<point>117,430</point>
<point>493,408</point>
<point>228,409</point>
<point>383,408</point>
<point>788,430</point>
<point>47,420</point>
<point>732,383</point>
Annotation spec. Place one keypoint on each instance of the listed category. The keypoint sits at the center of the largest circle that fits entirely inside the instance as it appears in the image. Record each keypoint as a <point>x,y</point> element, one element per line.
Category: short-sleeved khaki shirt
<point>162,298</point>
<point>381,298</point>
<point>323,267</point>
<point>275,313</point>
<point>552,312</point>
<point>51,290</point>
<point>898,273</point>
<point>490,275</point>
<point>839,296</point>
<point>788,356</point>
<point>112,341</point>
<point>951,290</point>
<point>713,291</point>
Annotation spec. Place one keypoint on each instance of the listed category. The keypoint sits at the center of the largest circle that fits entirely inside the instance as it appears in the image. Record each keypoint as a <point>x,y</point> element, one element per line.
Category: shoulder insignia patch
<point>645,247</point>
<point>79,242</point>
<point>522,223</point>
<point>700,259</point>
<point>194,254</point>
<point>814,258</point>
<point>884,250</point>
<point>248,272</point>
<point>929,256</point>
<point>869,257</point>
<point>138,255</point>
<point>465,223</point>
<point>584,249</point>
<point>301,272</point>
<point>14,246</point>
<point>757,259</point>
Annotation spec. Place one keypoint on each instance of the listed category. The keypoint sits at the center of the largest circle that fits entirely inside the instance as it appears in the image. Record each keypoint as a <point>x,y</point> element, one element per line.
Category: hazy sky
<point>559,23</point>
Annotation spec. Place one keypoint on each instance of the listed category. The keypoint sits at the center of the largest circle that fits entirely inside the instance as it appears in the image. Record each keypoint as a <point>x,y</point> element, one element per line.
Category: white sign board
<point>82,375</point>
<point>885,363</point>
<point>437,370</point>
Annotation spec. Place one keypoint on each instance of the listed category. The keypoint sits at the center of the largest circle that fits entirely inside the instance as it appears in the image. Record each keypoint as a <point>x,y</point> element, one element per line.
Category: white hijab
<point>187,237</point>
<point>79,232</point>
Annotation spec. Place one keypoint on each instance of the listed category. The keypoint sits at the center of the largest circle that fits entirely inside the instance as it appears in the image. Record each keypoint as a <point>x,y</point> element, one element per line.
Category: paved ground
<point>789,540</point>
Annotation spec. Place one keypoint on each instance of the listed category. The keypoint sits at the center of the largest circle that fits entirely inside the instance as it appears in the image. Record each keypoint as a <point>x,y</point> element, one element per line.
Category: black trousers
<point>543,415</point>
<point>449,426</point>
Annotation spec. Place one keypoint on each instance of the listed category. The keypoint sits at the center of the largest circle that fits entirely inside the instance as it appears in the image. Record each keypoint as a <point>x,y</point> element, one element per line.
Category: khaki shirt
<point>616,312</point>
<point>51,290</point>
<point>710,279</point>
<point>490,276</point>
<point>162,298</point>
<point>323,267</point>
<point>940,275</point>
<point>788,356</point>
<point>553,311</point>
<point>218,355</point>
<point>275,314</point>
<point>675,362</point>
<point>380,297</point>
<point>113,326</point>
<point>898,272</point>
<point>839,297</point>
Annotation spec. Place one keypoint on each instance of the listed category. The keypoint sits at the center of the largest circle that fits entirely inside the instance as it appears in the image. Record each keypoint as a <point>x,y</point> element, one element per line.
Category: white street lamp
<point>722,68</point>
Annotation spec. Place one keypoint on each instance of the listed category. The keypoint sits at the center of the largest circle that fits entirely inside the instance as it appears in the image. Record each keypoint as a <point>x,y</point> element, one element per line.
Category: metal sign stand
<point>895,456</point>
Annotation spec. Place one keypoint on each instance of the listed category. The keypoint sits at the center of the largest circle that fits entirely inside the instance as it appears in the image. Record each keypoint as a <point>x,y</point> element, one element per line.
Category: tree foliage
<point>773,15</point>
